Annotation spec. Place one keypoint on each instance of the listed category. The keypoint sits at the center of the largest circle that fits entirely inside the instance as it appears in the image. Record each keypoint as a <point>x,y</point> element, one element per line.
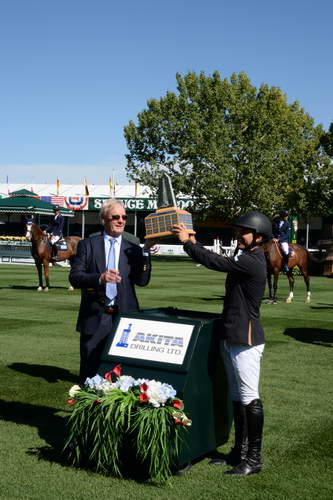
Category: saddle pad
<point>62,245</point>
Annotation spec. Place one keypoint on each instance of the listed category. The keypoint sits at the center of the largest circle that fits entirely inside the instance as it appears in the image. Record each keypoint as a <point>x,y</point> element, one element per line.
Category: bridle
<point>28,233</point>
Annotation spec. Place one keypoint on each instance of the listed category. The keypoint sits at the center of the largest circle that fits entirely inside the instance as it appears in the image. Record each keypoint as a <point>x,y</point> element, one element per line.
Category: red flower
<point>178,421</point>
<point>71,401</point>
<point>143,397</point>
<point>178,403</point>
<point>116,370</point>
<point>143,387</point>
<point>97,401</point>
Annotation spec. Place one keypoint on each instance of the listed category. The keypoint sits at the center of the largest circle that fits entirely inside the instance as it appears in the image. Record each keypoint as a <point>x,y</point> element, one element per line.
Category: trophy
<point>159,223</point>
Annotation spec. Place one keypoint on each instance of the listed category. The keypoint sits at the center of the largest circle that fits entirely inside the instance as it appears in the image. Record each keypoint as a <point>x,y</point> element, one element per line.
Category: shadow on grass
<point>34,287</point>
<point>214,298</point>
<point>322,306</point>
<point>315,336</point>
<point>51,427</point>
<point>49,373</point>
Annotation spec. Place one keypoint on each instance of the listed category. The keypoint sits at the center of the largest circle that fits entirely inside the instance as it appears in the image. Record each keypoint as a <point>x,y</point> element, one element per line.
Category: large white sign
<point>160,341</point>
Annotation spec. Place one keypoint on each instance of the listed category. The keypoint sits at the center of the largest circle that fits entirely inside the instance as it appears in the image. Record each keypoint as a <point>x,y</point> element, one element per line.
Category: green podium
<point>181,348</point>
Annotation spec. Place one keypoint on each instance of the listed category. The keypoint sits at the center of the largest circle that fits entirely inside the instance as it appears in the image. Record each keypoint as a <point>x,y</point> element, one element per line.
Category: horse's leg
<point>306,277</point>
<point>40,274</point>
<point>269,282</point>
<point>46,274</point>
<point>291,280</point>
<point>275,284</point>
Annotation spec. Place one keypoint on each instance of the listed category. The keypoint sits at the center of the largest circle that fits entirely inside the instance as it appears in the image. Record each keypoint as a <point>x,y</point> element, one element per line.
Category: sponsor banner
<point>139,204</point>
<point>150,340</point>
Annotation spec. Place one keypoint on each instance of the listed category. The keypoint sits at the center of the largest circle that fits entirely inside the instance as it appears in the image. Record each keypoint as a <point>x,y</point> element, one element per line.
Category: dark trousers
<point>92,346</point>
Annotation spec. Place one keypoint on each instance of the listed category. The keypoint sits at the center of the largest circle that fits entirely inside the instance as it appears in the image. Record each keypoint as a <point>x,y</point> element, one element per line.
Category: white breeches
<point>242,364</point>
<point>54,239</point>
<point>285,247</point>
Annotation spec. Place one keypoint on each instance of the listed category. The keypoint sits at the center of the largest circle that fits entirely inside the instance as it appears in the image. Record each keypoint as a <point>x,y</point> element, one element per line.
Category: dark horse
<point>299,257</point>
<point>41,251</point>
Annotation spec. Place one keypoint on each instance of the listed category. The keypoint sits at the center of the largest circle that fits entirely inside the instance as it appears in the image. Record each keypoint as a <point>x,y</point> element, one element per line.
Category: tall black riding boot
<point>238,452</point>
<point>285,267</point>
<point>255,421</point>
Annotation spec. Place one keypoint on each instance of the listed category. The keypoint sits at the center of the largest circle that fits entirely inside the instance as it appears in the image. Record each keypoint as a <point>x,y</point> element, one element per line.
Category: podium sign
<point>180,348</point>
<point>151,340</point>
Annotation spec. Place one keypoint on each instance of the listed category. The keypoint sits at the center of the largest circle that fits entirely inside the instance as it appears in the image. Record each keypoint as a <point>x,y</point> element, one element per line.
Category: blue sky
<point>74,72</point>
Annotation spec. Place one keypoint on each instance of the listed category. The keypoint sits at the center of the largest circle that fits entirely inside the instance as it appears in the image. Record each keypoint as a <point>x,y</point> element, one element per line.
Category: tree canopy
<point>232,147</point>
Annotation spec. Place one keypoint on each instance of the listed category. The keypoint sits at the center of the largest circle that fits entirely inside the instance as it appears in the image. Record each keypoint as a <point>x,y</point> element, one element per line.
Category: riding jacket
<point>56,226</point>
<point>245,285</point>
<point>281,230</point>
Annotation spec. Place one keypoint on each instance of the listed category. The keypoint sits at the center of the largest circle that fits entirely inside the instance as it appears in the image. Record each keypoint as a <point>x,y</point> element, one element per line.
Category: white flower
<point>125,382</point>
<point>159,393</point>
<point>74,390</point>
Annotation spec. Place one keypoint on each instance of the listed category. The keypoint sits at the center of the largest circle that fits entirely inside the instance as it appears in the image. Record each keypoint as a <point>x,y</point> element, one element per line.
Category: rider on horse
<point>281,233</point>
<point>55,228</point>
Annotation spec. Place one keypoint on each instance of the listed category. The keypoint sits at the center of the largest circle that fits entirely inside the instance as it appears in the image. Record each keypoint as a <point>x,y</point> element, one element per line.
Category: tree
<point>230,146</point>
<point>327,141</point>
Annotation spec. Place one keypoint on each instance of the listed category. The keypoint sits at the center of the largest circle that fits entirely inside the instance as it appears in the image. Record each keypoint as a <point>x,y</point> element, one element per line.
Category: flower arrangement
<point>13,238</point>
<point>113,422</point>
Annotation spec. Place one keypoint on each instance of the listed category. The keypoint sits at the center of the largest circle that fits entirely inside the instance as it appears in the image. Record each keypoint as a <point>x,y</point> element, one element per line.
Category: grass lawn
<point>39,360</point>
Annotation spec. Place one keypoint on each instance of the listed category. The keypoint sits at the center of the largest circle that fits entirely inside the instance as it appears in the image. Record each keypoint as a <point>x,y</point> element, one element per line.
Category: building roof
<point>94,190</point>
<point>28,205</point>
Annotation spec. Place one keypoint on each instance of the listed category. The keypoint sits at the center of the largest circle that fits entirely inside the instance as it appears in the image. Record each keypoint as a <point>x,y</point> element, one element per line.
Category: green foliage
<point>232,147</point>
<point>105,431</point>
<point>327,141</point>
<point>39,361</point>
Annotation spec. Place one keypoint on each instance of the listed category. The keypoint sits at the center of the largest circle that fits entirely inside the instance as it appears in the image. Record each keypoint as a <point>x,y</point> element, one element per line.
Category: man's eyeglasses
<point>115,217</point>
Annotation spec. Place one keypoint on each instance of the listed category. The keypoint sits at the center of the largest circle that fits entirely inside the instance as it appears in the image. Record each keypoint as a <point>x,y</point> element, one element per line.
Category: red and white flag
<point>58,200</point>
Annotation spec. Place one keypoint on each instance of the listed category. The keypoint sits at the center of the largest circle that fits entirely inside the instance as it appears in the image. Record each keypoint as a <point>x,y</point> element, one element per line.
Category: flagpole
<point>83,223</point>
<point>135,212</point>
<point>83,216</point>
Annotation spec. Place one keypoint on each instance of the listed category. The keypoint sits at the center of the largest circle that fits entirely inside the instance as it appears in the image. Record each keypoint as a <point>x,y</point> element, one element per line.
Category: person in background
<point>281,229</point>
<point>55,230</point>
<point>106,268</point>
<point>242,342</point>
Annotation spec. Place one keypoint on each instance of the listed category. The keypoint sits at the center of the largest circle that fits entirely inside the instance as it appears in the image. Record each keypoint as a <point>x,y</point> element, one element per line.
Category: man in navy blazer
<point>90,273</point>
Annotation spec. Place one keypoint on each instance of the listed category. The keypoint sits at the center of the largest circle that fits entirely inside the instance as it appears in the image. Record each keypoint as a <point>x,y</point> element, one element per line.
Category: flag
<point>58,187</point>
<point>58,200</point>
<point>86,189</point>
<point>110,185</point>
<point>77,202</point>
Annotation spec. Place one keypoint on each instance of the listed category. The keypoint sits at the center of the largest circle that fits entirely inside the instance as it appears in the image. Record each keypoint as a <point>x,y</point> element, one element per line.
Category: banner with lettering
<point>138,204</point>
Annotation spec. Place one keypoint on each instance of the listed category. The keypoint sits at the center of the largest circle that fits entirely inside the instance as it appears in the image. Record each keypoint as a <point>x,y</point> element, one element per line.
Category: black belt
<point>111,310</point>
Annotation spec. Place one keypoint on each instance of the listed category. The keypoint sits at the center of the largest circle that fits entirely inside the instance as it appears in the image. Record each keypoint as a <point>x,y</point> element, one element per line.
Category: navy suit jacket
<point>56,227</point>
<point>89,263</point>
<point>281,233</point>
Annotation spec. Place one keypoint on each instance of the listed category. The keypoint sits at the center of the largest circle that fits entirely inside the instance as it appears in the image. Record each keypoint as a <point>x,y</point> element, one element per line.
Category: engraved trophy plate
<point>159,223</point>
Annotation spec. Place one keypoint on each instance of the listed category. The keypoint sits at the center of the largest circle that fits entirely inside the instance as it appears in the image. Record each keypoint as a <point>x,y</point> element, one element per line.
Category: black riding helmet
<point>257,222</point>
<point>284,213</point>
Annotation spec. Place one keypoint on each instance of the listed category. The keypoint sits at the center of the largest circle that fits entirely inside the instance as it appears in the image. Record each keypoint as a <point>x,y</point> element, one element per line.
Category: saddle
<point>291,250</point>
<point>61,244</point>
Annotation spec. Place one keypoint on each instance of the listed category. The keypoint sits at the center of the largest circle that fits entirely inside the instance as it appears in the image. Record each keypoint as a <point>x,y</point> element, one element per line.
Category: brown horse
<point>41,251</point>
<point>299,257</point>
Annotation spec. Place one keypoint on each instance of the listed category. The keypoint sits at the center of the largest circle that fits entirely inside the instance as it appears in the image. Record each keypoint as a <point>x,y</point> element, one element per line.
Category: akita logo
<point>123,342</point>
